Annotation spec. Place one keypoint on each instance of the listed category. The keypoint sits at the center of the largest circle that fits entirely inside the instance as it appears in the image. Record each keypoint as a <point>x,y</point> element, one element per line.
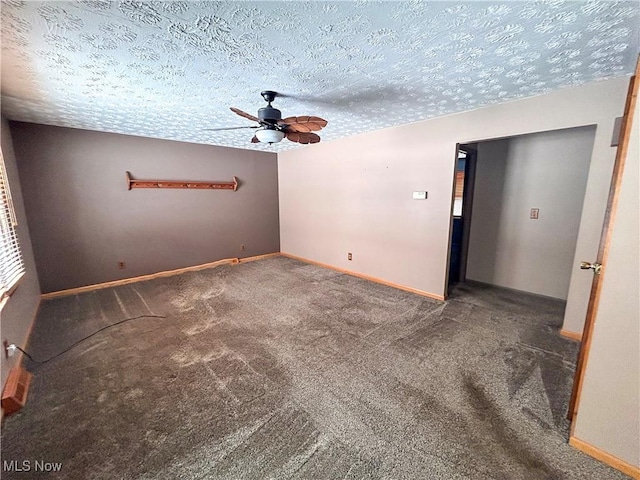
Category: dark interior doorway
<point>462,209</point>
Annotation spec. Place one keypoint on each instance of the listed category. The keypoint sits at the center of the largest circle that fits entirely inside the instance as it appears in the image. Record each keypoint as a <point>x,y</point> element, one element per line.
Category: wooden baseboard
<point>626,468</point>
<point>367,277</point>
<point>571,335</point>
<point>258,257</point>
<point>25,342</point>
<point>142,278</point>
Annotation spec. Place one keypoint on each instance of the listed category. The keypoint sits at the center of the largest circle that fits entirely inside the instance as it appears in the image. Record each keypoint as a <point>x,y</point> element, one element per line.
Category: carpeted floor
<point>279,369</point>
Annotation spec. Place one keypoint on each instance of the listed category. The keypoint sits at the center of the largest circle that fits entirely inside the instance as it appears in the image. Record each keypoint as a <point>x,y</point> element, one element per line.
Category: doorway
<point>461,213</point>
<point>516,210</point>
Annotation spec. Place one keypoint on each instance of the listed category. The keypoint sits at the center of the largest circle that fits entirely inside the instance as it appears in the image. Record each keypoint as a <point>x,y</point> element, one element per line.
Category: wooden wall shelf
<point>133,183</point>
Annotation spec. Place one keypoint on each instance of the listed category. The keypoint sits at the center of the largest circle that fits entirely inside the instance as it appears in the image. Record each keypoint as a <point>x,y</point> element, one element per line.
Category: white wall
<point>547,171</point>
<point>354,194</point>
<point>609,408</point>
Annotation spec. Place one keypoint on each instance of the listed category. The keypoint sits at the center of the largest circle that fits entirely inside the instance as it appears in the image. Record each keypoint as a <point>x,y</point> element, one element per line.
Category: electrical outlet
<point>9,350</point>
<point>121,265</point>
<point>242,247</point>
<point>535,213</point>
<point>349,256</point>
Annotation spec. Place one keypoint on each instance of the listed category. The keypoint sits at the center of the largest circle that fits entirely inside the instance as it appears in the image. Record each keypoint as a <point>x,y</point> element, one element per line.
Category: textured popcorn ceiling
<point>172,69</point>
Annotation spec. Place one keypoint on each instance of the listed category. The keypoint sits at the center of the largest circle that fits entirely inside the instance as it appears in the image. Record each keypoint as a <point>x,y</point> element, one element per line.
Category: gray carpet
<point>279,369</point>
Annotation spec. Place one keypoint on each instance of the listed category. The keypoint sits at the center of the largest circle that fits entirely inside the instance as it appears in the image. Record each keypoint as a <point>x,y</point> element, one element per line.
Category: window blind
<point>11,264</point>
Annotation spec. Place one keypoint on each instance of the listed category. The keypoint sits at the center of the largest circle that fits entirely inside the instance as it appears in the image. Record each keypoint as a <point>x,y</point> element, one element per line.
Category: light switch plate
<point>419,195</point>
<point>615,136</point>
<point>535,212</point>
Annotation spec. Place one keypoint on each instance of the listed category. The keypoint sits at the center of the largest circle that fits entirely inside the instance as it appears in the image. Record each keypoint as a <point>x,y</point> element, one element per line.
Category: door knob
<point>596,267</point>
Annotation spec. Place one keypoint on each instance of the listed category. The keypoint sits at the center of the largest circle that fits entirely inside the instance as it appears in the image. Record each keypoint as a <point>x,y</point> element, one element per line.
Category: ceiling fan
<point>273,128</point>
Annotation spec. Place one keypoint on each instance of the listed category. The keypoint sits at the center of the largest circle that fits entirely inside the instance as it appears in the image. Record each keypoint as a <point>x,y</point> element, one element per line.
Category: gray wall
<point>84,220</point>
<point>547,171</point>
<point>18,313</point>
<point>354,194</point>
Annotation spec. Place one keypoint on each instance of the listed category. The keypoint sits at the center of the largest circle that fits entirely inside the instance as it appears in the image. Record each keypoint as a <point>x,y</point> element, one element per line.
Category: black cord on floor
<point>88,337</point>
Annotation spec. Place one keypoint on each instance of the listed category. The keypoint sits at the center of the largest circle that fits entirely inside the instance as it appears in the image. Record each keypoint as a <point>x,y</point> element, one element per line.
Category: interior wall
<point>354,194</point>
<point>547,171</point>
<point>20,310</point>
<point>84,220</point>
<point>609,410</point>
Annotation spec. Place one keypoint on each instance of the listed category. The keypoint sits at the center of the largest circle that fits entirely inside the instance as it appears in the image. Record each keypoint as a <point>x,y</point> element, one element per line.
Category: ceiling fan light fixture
<point>269,135</point>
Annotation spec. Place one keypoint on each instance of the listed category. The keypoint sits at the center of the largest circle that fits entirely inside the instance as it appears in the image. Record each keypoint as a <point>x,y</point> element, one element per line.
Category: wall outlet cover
<point>419,195</point>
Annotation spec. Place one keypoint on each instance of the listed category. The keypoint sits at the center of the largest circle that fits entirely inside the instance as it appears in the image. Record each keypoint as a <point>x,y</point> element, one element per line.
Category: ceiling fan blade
<point>237,111</point>
<point>255,140</point>
<point>299,127</point>
<point>304,123</point>
<point>302,137</point>
<point>228,128</point>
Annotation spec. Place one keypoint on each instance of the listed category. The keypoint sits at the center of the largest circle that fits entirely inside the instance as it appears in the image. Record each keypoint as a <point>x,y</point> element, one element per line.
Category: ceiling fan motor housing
<point>269,114</point>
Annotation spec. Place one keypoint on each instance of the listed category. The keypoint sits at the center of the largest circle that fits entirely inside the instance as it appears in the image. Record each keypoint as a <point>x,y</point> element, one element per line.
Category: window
<point>11,264</point>
<point>459,193</point>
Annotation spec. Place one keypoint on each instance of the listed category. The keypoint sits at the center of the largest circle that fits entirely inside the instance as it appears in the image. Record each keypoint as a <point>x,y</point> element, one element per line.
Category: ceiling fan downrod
<point>269,96</point>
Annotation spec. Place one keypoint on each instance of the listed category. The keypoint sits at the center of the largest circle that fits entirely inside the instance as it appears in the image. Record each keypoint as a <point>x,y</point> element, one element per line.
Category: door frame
<point>605,242</point>
<point>467,201</point>
<point>467,206</point>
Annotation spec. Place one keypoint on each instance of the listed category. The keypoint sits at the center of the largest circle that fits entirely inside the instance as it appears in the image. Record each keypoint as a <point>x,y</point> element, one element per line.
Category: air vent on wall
<point>15,391</point>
